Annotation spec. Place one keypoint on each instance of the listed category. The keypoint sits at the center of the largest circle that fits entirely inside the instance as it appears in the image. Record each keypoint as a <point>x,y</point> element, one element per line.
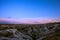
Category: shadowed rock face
<point>29,32</point>
<point>6,34</point>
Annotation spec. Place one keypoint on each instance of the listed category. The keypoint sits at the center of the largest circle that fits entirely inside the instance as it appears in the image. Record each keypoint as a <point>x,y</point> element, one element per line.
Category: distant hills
<point>9,22</point>
<point>5,22</point>
<point>26,21</point>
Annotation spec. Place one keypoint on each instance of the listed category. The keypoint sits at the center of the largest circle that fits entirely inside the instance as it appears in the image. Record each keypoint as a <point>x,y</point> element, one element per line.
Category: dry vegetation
<point>35,31</point>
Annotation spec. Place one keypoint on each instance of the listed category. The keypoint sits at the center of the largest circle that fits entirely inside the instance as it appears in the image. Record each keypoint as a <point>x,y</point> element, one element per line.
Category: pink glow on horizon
<point>31,20</point>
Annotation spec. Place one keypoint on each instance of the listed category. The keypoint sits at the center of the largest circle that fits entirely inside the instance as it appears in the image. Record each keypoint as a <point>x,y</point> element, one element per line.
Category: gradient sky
<point>17,9</point>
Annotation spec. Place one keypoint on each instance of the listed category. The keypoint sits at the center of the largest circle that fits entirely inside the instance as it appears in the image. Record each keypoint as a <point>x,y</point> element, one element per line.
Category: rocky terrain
<point>48,31</point>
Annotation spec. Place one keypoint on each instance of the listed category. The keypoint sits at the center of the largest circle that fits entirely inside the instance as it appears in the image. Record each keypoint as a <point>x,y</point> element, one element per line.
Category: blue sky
<point>17,9</point>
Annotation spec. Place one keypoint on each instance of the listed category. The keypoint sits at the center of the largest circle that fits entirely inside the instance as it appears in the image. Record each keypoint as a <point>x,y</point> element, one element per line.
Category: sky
<point>21,9</point>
